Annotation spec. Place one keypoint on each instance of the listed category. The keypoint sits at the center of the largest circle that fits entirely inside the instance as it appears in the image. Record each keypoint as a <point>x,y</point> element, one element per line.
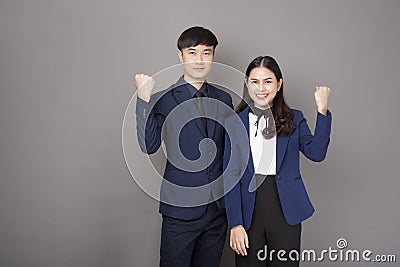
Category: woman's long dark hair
<point>283,115</point>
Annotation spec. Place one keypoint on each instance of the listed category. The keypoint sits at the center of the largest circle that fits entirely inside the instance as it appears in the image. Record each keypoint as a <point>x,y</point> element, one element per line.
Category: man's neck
<point>196,83</point>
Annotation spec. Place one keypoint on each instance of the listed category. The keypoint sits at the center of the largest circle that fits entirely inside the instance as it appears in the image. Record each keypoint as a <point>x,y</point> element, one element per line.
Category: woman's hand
<point>321,99</point>
<point>239,240</point>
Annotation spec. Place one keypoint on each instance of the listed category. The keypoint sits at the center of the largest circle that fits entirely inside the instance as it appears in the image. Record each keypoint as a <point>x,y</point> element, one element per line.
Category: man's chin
<point>199,76</point>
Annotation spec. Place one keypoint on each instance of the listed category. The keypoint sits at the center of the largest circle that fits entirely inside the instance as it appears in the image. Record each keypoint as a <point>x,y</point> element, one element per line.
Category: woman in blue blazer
<point>266,199</point>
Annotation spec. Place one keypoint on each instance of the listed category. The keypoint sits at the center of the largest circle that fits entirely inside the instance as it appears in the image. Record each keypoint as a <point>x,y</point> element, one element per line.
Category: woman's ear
<point>280,84</point>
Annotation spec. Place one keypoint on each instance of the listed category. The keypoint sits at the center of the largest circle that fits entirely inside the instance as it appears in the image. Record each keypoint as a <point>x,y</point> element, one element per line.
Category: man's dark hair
<point>195,36</point>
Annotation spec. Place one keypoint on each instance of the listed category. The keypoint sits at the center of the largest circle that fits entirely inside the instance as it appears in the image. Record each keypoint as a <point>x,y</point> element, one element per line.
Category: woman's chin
<point>261,104</point>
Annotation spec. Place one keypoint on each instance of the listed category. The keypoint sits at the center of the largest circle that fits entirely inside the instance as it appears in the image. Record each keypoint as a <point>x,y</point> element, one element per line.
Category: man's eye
<point>191,53</point>
<point>207,54</point>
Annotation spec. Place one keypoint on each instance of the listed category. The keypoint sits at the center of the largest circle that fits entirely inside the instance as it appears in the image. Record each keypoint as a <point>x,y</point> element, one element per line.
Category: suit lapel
<point>281,145</point>
<point>210,109</point>
<point>244,115</point>
<point>181,94</point>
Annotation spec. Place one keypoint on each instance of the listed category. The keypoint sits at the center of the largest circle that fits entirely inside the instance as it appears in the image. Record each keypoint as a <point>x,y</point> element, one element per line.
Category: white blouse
<point>263,150</point>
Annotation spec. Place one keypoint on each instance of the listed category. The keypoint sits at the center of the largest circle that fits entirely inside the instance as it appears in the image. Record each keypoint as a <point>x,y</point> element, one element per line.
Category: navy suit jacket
<point>193,161</point>
<point>239,178</point>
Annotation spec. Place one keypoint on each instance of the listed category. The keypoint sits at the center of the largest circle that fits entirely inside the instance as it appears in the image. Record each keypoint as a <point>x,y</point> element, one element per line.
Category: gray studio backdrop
<point>66,79</point>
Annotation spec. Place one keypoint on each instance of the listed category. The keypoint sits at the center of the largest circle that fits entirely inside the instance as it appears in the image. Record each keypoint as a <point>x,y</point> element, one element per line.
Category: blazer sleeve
<point>315,147</point>
<point>231,172</point>
<point>149,122</point>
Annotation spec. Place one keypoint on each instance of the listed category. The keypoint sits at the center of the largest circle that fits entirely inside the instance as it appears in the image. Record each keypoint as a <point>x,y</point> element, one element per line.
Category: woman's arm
<point>238,240</point>
<point>231,173</point>
<point>314,147</point>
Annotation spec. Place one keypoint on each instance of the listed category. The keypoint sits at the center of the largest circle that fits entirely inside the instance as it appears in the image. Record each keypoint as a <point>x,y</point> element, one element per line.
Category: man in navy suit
<point>187,118</point>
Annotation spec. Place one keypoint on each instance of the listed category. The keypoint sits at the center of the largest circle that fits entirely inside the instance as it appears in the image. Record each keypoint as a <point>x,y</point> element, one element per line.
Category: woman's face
<point>263,86</point>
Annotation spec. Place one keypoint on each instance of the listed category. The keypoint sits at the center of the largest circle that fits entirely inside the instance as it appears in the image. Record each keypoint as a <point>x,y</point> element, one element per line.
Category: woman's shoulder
<point>238,115</point>
<point>297,114</point>
<point>232,118</point>
<point>235,118</point>
<point>296,111</point>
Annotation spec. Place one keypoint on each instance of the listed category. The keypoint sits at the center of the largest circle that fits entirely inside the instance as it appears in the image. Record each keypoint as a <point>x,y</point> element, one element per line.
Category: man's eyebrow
<point>261,79</point>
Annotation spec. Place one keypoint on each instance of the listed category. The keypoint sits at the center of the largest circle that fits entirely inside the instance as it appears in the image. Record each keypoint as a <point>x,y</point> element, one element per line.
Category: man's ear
<point>180,55</point>
<point>280,84</point>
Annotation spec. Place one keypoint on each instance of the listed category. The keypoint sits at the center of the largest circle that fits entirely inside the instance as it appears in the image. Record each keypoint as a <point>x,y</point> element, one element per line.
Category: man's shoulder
<point>163,95</point>
<point>221,94</point>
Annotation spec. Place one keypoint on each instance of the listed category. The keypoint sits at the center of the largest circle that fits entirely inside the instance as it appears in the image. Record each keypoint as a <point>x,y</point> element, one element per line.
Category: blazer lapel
<point>211,109</point>
<point>281,145</point>
<point>244,115</point>
<point>181,94</point>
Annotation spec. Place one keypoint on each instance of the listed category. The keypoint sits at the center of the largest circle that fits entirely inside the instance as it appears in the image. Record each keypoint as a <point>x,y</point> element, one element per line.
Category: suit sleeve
<point>231,172</point>
<point>149,122</point>
<point>315,147</point>
<point>230,102</point>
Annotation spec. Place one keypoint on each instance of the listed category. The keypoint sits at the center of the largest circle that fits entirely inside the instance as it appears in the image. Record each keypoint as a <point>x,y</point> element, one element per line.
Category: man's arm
<point>149,120</point>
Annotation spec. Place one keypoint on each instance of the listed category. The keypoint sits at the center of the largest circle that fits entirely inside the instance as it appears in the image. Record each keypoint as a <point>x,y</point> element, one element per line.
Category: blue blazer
<point>161,120</point>
<point>239,177</point>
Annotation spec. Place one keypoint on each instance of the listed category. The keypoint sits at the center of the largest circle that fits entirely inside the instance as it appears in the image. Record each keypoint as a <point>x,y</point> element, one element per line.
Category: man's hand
<point>145,86</point>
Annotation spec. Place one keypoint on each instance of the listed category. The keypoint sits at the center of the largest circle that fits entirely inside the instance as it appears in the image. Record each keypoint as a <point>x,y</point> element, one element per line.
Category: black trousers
<point>194,243</point>
<point>269,232</point>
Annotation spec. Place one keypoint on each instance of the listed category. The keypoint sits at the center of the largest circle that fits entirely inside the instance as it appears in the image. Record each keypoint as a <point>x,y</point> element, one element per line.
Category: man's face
<point>197,61</point>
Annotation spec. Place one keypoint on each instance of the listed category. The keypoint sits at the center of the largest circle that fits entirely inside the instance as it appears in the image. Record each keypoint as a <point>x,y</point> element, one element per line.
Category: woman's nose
<point>262,87</point>
<point>265,87</point>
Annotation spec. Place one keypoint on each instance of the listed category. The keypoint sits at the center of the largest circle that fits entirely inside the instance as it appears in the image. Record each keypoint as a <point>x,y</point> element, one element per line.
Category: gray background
<point>66,78</point>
